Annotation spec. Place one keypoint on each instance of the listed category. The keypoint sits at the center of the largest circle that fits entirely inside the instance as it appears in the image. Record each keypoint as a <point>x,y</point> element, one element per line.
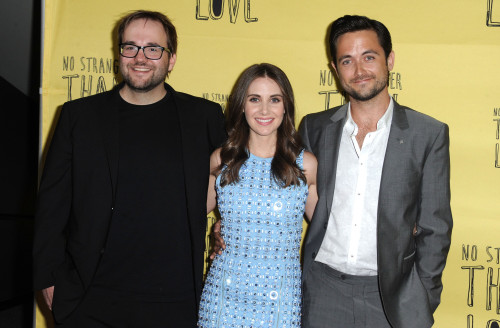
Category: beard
<point>365,95</point>
<point>157,77</point>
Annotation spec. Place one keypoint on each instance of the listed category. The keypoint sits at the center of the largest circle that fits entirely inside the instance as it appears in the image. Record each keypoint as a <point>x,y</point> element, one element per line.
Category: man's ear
<point>390,61</point>
<point>334,67</point>
<point>171,62</point>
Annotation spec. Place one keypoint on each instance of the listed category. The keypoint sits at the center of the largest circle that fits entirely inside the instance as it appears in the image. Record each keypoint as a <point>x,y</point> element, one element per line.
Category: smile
<point>141,69</point>
<point>264,121</point>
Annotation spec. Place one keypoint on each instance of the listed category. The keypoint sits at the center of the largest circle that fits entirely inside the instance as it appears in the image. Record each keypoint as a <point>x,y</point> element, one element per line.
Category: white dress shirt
<point>350,242</point>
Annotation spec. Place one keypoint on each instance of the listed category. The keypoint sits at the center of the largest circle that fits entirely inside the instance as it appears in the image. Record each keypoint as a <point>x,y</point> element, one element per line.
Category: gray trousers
<point>332,299</point>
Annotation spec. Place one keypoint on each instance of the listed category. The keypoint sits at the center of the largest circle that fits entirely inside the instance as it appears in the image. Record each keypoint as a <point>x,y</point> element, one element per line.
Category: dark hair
<point>154,16</point>
<point>350,23</point>
<point>234,152</point>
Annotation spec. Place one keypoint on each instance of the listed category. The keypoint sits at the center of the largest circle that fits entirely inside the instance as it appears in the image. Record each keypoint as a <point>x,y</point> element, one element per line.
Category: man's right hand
<point>219,244</point>
<point>48,294</point>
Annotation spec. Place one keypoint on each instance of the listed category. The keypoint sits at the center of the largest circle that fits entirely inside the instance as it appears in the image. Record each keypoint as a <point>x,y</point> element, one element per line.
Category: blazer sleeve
<point>216,130</point>
<point>435,222</point>
<point>304,134</point>
<point>53,205</point>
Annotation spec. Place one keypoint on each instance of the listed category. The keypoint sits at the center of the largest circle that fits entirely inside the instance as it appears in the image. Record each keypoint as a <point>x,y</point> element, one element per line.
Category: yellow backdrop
<point>447,66</point>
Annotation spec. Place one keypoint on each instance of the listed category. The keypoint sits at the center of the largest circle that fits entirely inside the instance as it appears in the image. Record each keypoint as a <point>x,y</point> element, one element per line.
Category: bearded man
<point>378,241</point>
<point>121,217</point>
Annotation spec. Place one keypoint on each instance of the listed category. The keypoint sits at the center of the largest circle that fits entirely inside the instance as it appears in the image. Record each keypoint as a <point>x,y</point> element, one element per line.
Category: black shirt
<point>148,253</point>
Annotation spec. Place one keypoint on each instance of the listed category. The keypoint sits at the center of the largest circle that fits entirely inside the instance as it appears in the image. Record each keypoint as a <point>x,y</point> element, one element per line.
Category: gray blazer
<point>414,190</point>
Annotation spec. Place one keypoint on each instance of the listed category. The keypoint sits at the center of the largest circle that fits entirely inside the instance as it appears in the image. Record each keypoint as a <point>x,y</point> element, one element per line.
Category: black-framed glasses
<point>150,52</point>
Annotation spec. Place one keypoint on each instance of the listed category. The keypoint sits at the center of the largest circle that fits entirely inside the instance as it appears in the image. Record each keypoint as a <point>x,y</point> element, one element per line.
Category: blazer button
<point>314,255</point>
<point>102,250</point>
<point>326,225</point>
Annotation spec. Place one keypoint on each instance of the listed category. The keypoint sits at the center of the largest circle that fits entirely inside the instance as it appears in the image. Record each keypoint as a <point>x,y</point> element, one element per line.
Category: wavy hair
<point>234,152</point>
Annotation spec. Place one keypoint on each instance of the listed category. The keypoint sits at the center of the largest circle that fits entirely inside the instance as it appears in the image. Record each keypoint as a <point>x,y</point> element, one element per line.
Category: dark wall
<point>20,26</point>
<point>20,30</point>
<point>18,176</point>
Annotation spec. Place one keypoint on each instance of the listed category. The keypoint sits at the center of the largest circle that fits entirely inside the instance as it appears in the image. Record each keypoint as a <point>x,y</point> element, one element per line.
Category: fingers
<point>219,241</point>
<point>216,226</point>
<point>219,244</point>
<point>216,252</point>
<point>48,294</point>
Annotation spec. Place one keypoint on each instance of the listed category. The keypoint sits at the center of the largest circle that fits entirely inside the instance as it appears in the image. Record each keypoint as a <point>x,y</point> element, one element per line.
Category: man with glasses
<point>121,216</point>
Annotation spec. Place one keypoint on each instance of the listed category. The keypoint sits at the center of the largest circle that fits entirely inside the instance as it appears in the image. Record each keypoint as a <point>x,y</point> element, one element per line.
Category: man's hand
<point>219,244</point>
<point>48,294</point>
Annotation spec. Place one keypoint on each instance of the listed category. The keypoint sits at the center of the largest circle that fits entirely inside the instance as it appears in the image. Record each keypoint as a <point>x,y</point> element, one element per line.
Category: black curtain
<point>19,131</point>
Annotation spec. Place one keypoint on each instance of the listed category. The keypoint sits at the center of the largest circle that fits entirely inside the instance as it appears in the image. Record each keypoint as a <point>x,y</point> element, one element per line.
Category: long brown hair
<point>234,152</point>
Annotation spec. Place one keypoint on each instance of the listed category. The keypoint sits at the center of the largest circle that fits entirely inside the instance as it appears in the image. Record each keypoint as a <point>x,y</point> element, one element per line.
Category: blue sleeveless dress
<point>256,282</point>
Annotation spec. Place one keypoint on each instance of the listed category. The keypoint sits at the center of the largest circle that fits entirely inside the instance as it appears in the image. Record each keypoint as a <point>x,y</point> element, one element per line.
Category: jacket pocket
<point>408,262</point>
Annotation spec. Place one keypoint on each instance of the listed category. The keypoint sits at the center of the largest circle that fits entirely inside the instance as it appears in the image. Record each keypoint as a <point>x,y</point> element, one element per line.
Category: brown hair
<point>154,16</point>
<point>348,23</point>
<point>234,152</point>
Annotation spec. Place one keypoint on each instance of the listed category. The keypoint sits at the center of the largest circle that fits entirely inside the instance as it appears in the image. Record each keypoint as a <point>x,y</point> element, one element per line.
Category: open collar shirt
<point>350,242</point>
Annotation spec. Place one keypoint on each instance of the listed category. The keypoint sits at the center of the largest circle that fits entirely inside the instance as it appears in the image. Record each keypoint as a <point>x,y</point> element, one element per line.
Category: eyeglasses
<point>150,52</point>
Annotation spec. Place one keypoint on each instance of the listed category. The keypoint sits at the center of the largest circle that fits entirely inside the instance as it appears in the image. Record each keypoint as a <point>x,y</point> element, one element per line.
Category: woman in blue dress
<point>263,182</point>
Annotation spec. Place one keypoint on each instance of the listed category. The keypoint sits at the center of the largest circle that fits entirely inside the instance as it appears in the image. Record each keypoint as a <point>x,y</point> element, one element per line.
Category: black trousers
<point>100,309</point>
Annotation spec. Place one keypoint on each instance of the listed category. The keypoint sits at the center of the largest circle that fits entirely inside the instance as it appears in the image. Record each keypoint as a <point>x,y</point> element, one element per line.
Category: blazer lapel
<point>110,132</point>
<point>331,146</point>
<point>188,147</point>
<point>396,145</point>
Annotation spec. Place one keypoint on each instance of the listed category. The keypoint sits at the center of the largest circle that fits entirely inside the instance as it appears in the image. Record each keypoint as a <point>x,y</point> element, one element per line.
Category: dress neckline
<point>250,155</point>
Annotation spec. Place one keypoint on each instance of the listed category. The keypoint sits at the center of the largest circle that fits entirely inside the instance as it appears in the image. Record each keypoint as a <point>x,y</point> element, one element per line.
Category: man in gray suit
<point>380,235</point>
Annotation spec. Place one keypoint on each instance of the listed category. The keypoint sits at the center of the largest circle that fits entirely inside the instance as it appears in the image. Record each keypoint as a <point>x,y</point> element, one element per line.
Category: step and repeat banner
<point>447,65</point>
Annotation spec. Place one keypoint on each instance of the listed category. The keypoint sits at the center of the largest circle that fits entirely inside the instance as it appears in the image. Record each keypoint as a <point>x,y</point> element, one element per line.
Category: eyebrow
<point>153,44</point>
<point>257,95</point>
<point>370,51</point>
<point>343,57</point>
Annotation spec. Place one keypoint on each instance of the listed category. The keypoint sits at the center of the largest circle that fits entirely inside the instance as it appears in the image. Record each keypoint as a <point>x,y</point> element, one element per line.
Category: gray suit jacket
<point>414,189</point>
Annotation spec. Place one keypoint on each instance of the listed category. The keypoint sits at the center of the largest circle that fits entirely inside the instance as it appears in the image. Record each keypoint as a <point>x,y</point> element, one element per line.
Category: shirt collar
<point>384,121</point>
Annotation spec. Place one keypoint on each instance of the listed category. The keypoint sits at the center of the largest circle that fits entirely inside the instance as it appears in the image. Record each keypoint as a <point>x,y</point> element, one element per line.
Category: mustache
<point>362,77</point>
<point>140,62</point>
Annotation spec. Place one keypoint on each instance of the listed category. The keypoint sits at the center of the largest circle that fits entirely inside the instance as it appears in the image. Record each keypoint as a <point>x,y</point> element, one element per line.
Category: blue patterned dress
<point>256,281</point>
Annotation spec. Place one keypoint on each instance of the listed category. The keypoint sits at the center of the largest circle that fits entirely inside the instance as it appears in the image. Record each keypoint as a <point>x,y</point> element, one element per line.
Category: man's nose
<point>141,57</point>
<point>359,68</point>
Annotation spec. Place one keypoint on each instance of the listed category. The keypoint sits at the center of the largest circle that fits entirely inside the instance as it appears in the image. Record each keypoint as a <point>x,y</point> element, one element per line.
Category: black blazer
<point>78,186</point>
